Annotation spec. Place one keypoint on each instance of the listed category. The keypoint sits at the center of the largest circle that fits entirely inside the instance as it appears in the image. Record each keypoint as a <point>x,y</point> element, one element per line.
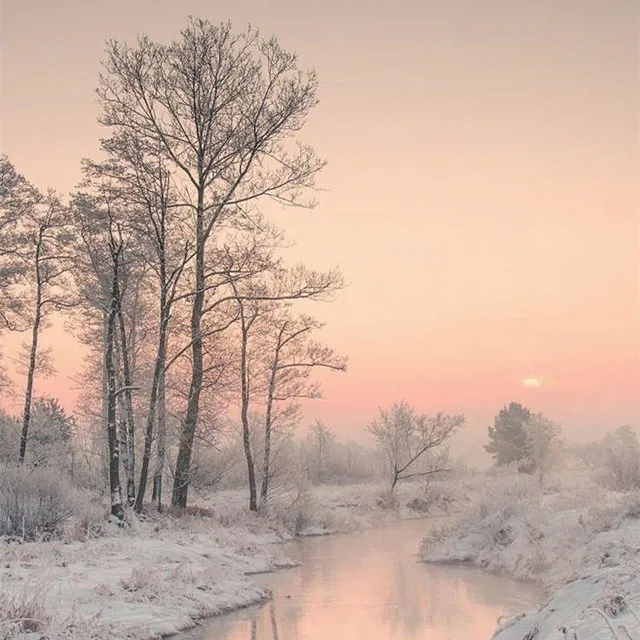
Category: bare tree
<point>405,436</point>
<point>321,437</point>
<point>145,182</point>
<point>281,465</point>
<point>622,459</point>
<point>45,236</point>
<point>93,283</point>
<point>258,298</point>
<point>222,107</point>
<point>291,357</point>
<point>252,299</point>
<point>100,265</point>
<point>247,320</point>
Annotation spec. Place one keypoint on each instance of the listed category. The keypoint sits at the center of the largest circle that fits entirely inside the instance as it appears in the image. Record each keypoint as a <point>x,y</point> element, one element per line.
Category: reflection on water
<point>371,585</point>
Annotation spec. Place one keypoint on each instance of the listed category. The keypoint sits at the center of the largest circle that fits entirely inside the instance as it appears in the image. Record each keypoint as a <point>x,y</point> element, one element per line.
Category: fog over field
<point>319,321</point>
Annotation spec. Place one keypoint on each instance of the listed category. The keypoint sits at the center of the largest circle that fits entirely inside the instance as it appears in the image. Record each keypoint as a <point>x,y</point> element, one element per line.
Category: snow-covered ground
<point>153,579</point>
<point>343,508</point>
<point>161,574</point>
<point>580,541</point>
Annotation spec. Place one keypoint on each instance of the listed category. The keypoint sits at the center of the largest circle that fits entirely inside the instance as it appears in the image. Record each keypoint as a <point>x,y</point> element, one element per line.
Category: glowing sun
<point>532,382</point>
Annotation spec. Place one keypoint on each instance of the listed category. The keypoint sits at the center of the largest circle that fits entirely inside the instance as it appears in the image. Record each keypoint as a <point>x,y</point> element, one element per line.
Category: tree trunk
<point>158,374</point>
<point>121,425</point>
<point>183,461</point>
<point>104,399</point>
<point>114,451</point>
<point>251,472</point>
<point>396,477</point>
<point>320,472</point>
<point>264,489</point>
<point>127,401</point>
<point>121,412</point>
<point>161,441</point>
<point>28,396</point>
<point>246,436</point>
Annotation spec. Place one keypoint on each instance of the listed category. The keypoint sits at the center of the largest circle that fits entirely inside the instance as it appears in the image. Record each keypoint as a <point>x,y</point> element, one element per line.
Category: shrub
<point>38,503</point>
<point>298,514</point>
<point>622,460</point>
<point>632,506</point>
<point>387,501</point>
<point>419,504</point>
<point>22,611</point>
<point>433,496</point>
<point>502,531</point>
<point>145,583</point>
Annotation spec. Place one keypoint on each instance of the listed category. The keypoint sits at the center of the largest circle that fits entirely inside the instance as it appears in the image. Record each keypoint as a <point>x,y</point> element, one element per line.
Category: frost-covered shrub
<point>9,436</point>
<point>219,467</point>
<point>304,509</point>
<point>145,583</point>
<point>387,500</point>
<point>621,460</point>
<point>39,503</point>
<point>632,506</point>
<point>27,612</point>
<point>296,514</point>
<point>433,496</point>
<point>420,505</point>
<point>502,531</point>
<point>519,529</point>
<point>22,611</point>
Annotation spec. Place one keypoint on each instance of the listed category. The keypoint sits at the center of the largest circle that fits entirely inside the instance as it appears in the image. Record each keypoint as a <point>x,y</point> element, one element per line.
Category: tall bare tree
<point>223,107</point>
<point>100,265</point>
<point>254,301</point>
<point>144,181</point>
<point>258,298</point>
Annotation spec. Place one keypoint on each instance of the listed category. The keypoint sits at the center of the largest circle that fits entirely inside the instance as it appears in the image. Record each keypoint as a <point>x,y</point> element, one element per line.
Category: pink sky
<point>482,188</point>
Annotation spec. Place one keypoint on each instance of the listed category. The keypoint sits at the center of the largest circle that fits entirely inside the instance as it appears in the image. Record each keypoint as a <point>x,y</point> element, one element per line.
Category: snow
<point>154,580</point>
<point>161,574</point>
<point>587,607</point>
<point>579,541</point>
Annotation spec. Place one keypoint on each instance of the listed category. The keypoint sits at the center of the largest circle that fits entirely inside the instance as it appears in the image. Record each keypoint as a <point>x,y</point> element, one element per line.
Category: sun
<point>534,383</point>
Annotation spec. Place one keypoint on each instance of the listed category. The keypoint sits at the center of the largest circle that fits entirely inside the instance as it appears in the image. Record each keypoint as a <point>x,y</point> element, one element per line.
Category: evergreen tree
<point>509,436</point>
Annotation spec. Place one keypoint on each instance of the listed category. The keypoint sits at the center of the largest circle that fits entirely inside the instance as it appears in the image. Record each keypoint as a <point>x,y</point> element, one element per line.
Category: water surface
<point>371,586</point>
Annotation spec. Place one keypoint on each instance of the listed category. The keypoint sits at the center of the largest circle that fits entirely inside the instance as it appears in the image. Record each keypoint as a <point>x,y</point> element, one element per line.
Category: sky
<point>481,193</point>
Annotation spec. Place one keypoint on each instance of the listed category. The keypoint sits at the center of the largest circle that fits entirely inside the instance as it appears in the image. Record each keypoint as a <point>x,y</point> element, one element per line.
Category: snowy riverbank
<point>580,541</point>
<point>152,580</point>
<point>162,574</point>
